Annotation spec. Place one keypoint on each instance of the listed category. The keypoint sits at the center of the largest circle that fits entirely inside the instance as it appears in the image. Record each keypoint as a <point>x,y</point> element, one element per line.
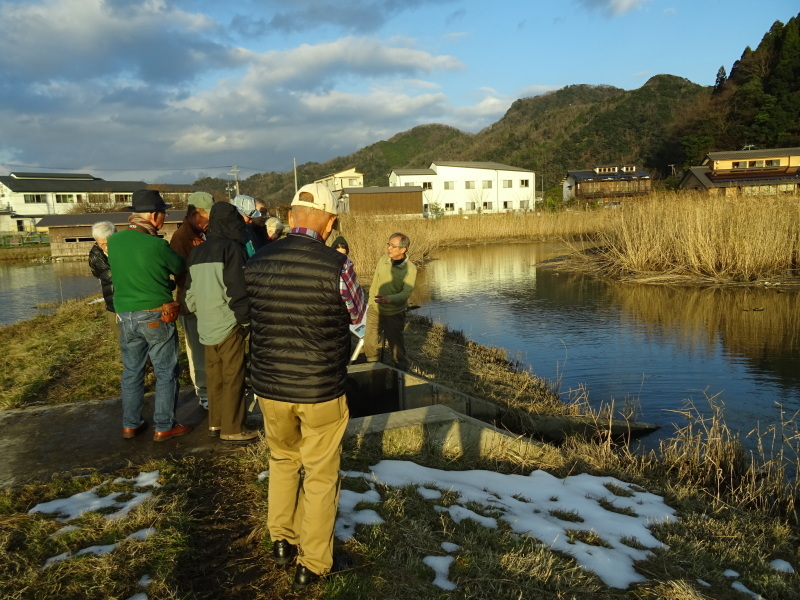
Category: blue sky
<point>172,90</point>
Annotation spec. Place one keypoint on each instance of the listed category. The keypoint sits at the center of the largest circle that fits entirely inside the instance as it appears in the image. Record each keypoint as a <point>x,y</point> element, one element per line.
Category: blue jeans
<point>138,339</point>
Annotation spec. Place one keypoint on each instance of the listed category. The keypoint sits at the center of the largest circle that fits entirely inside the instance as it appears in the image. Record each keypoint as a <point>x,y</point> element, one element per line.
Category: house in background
<point>470,187</point>
<point>27,197</point>
<point>71,235</point>
<point>349,178</point>
<point>750,172</point>
<point>605,185</point>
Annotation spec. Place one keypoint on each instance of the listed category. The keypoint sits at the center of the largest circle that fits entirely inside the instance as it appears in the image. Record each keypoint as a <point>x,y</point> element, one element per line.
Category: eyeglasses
<point>392,246</point>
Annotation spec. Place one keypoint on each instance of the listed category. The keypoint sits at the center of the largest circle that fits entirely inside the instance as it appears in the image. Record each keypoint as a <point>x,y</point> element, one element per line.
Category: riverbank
<point>24,254</point>
<point>699,239</point>
<point>209,515</point>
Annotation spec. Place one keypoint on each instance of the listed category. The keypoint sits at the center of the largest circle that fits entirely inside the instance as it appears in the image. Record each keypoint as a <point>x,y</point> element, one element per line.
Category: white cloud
<point>613,7</point>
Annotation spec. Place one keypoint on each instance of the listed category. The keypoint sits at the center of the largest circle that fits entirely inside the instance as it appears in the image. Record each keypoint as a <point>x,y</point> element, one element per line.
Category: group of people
<point>295,299</point>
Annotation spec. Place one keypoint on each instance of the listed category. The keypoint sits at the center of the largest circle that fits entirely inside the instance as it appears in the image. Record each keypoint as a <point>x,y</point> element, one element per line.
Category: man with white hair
<point>303,298</point>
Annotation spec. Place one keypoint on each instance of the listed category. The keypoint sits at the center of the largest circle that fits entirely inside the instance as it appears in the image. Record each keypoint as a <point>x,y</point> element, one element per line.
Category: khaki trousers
<point>305,444</point>
<point>225,373</point>
<point>392,327</point>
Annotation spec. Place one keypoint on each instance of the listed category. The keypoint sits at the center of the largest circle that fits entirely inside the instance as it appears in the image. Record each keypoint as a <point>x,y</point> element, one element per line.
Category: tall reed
<point>367,235</point>
<point>724,239</point>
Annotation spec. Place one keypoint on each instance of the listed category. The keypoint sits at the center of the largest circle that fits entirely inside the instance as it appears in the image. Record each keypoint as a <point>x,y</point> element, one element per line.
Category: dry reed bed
<point>693,236</point>
<point>367,235</point>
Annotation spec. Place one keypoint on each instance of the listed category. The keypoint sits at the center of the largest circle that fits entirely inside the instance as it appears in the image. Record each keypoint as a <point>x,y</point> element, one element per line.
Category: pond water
<point>653,346</point>
<point>24,287</point>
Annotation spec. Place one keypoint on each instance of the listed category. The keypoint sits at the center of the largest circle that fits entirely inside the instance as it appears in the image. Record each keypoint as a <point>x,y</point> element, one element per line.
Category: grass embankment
<point>209,518</point>
<point>24,254</point>
<point>700,238</point>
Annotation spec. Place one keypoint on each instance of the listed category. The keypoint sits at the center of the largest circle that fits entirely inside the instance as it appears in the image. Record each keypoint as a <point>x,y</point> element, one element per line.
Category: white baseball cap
<point>322,198</point>
<point>246,205</point>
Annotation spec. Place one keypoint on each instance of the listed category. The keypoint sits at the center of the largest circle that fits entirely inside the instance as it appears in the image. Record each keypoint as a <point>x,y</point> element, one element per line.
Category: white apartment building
<point>470,187</point>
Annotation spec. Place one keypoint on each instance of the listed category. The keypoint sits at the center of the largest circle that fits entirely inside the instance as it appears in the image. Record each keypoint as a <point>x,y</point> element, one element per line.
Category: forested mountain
<point>668,122</point>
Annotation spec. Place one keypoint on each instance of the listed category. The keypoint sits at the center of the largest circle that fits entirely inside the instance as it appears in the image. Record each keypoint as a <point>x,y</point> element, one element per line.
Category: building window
<point>523,204</point>
<point>408,184</point>
<point>427,185</point>
<point>352,182</point>
<point>449,206</point>
<point>449,185</point>
<point>487,205</point>
<point>469,185</point>
<point>523,183</point>
<point>508,204</point>
<point>123,197</point>
<point>487,184</point>
<point>425,208</point>
<point>469,206</point>
<point>35,198</point>
<point>65,198</point>
<point>772,162</point>
<point>506,183</point>
<point>755,163</point>
<point>738,164</point>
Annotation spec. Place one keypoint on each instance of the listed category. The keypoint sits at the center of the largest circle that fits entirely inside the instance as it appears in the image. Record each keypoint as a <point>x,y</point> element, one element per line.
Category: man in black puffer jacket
<point>215,292</point>
<point>303,298</point>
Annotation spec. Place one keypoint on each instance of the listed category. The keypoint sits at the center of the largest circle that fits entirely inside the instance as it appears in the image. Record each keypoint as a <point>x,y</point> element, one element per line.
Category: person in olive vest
<point>303,298</point>
<point>143,265</point>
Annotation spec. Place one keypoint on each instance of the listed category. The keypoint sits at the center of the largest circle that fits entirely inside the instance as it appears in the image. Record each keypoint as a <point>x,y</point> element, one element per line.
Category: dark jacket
<point>300,327</point>
<point>98,263</point>
<point>215,289</point>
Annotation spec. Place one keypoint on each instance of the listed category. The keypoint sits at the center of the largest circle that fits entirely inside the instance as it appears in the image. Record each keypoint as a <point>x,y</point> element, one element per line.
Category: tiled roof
<point>383,190</point>
<point>118,218</point>
<point>592,176</point>
<point>480,165</point>
<point>68,185</point>
<point>734,154</point>
<point>413,171</point>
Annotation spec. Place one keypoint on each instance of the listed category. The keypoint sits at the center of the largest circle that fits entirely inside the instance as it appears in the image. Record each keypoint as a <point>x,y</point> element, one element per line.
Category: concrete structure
<point>470,187</point>
<point>749,172</point>
<point>349,178</point>
<point>606,185</point>
<point>27,197</point>
<point>71,235</point>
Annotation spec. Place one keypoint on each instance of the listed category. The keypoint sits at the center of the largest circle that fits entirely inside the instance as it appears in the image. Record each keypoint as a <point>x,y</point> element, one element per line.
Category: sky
<point>526,503</point>
<point>168,91</point>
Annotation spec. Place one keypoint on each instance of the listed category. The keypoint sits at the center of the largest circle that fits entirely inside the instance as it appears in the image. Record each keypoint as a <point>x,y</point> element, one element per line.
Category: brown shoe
<point>131,432</point>
<point>163,436</point>
<point>243,437</point>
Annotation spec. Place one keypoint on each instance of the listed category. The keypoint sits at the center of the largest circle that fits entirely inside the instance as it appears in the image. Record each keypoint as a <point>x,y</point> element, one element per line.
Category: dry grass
<point>675,237</point>
<point>24,254</point>
<point>367,235</point>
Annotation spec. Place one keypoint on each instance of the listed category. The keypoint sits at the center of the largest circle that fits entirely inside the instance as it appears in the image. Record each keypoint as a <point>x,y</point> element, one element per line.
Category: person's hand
<point>381,300</point>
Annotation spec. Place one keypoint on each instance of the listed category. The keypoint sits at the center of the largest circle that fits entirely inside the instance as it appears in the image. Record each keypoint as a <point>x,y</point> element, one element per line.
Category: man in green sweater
<point>143,263</point>
<point>392,284</point>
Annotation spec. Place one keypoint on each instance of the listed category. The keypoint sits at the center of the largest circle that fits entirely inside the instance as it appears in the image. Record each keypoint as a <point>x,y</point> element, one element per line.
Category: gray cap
<point>246,205</point>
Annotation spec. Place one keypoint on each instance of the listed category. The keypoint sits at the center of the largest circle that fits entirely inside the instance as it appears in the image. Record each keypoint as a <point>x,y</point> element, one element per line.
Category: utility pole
<point>294,161</point>
<point>235,171</point>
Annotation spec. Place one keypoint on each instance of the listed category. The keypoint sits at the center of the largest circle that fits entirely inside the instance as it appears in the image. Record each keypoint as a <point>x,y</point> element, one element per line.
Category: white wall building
<point>27,197</point>
<point>342,179</point>
<point>470,187</point>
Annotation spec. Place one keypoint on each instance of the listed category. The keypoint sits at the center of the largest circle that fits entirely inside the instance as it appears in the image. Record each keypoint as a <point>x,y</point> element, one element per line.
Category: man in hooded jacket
<point>216,293</point>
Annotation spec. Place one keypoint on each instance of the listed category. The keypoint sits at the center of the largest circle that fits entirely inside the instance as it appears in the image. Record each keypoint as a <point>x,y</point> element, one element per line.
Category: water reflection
<point>656,345</point>
<point>23,287</point>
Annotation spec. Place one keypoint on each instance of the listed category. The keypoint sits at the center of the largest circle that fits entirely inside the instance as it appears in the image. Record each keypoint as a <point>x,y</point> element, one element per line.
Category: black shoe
<point>283,552</point>
<point>304,578</point>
